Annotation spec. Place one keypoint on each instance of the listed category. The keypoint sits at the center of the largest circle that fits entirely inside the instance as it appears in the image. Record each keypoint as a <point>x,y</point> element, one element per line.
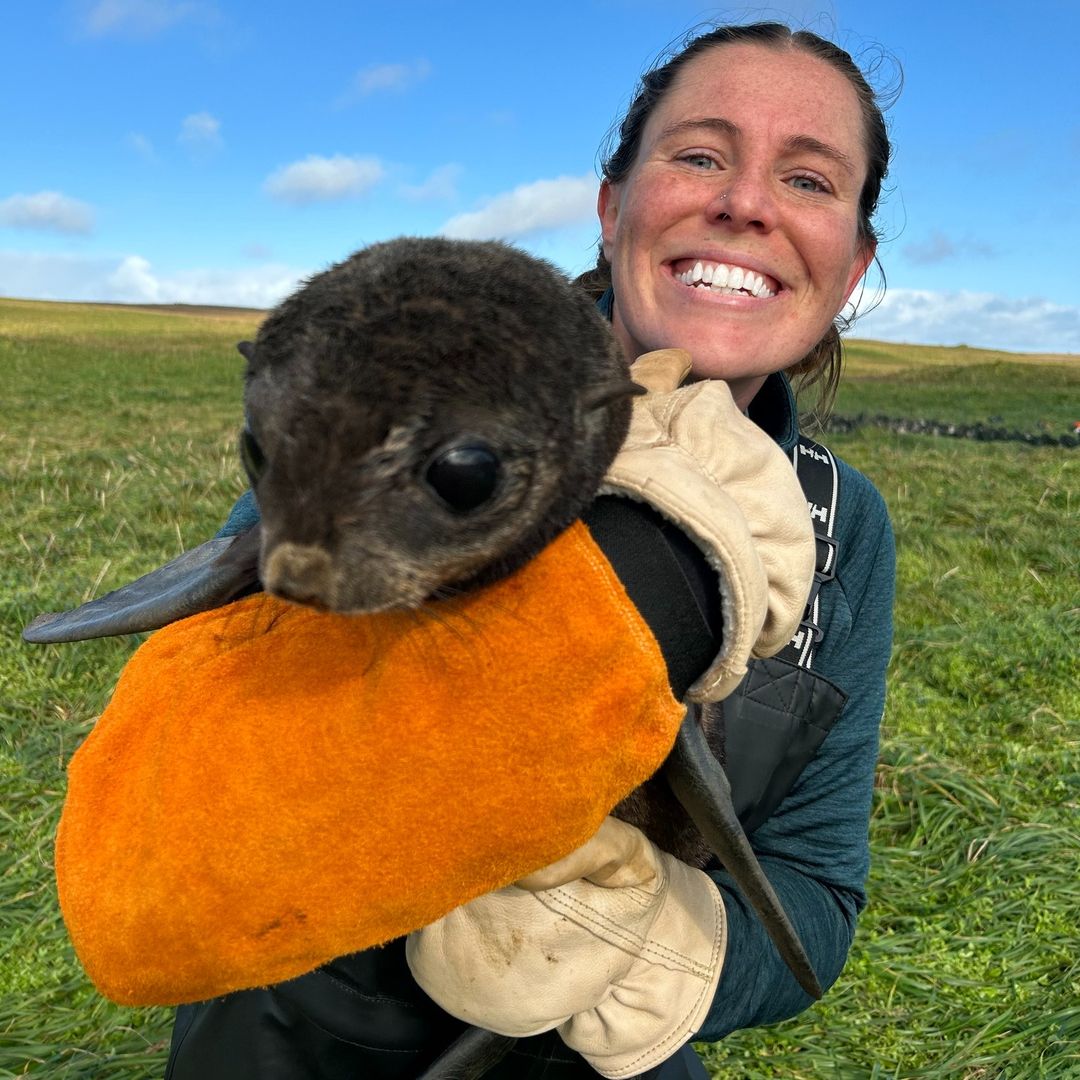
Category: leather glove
<point>697,459</point>
<point>618,946</point>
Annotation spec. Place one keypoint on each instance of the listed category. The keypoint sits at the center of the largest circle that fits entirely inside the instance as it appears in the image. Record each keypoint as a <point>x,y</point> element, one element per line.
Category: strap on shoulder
<point>816,468</point>
<point>667,579</point>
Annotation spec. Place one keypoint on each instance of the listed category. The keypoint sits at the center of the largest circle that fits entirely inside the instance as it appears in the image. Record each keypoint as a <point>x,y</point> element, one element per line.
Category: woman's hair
<point>820,368</point>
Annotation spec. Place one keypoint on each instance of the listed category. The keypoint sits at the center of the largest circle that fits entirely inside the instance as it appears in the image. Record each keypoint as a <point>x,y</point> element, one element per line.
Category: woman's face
<point>735,235</point>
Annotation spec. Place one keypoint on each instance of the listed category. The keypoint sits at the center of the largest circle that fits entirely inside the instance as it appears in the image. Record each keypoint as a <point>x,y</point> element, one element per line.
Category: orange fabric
<point>271,787</point>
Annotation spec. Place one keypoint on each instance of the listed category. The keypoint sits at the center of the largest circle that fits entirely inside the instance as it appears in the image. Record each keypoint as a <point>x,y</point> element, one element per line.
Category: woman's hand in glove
<point>618,945</point>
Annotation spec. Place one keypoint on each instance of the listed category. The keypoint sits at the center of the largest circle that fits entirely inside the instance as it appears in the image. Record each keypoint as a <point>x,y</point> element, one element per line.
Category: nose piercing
<point>720,198</point>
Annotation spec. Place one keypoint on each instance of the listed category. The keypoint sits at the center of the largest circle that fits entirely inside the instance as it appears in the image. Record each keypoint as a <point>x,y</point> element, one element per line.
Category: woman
<point>736,221</point>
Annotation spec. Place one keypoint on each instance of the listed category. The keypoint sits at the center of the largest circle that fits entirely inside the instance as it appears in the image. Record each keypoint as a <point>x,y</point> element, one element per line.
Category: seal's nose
<point>300,572</point>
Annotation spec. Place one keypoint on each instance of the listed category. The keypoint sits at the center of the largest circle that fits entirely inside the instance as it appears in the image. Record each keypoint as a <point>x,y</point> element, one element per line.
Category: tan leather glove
<point>618,946</point>
<point>712,471</point>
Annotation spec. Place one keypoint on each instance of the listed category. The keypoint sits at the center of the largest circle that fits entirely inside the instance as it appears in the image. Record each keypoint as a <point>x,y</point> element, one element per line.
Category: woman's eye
<point>808,183</point>
<point>699,161</point>
<point>251,455</point>
<point>465,477</point>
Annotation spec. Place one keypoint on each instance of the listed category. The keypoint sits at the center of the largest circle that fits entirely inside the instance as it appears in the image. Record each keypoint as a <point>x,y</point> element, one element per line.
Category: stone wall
<point>979,431</point>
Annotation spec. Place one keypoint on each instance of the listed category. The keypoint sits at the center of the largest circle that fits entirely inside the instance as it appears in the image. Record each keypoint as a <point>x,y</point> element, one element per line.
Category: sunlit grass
<point>117,451</point>
<point>1027,393</point>
<point>966,962</point>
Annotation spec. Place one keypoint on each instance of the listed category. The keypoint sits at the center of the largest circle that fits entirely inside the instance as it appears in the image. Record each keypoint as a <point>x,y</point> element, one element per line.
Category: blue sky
<point>217,151</point>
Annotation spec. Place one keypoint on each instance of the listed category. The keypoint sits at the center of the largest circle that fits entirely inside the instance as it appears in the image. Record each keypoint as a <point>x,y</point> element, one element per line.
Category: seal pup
<point>423,418</point>
<point>420,418</point>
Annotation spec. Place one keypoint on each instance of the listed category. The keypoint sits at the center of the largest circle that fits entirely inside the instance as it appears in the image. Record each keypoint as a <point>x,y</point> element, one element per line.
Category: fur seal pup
<point>421,419</point>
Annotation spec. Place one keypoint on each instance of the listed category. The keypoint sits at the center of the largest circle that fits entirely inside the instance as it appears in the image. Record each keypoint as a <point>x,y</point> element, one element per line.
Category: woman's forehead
<point>752,89</point>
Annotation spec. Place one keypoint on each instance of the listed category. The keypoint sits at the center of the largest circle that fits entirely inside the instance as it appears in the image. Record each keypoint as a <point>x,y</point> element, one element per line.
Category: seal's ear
<point>599,396</point>
<point>208,576</point>
<point>246,350</point>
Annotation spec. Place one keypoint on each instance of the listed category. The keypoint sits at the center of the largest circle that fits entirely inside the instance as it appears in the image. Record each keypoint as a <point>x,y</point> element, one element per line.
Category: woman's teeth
<point>729,280</point>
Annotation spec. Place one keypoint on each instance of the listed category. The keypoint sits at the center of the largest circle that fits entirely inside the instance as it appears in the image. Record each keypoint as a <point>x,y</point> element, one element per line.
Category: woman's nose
<point>746,201</point>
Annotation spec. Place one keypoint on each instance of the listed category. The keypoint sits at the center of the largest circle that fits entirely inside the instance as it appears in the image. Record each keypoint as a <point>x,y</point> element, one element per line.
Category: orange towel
<point>271,787</point>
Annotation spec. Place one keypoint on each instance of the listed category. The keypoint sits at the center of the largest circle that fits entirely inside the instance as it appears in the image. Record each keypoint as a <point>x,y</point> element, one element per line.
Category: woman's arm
<point>815,848</point>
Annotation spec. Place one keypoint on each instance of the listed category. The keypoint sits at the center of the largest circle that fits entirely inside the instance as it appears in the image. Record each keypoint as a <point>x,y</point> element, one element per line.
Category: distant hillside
<point>1019,392</point>
<point>1037,394</point>
<point>162,309</point>
<point>865,357</point>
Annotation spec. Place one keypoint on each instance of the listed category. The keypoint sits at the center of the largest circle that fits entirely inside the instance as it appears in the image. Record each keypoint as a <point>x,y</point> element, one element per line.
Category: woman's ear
<point>607,210</point>
<point>863,258</point>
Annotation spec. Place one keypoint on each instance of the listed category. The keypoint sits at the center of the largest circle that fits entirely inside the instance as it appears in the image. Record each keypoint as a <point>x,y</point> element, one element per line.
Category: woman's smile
<point>723,277</point>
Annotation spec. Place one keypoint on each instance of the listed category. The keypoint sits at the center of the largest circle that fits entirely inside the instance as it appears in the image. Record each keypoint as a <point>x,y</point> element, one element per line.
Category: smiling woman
<point>755,149</point>
<point>770,190</point>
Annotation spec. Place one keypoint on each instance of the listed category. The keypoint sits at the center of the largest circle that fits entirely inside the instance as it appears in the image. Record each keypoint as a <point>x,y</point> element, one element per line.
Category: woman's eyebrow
<point>792,144</point>
<point>808,144</point>
<point>710,123</point>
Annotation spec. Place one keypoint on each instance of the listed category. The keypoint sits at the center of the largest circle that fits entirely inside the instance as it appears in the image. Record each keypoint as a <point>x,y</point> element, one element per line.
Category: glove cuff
<point>700,462</point>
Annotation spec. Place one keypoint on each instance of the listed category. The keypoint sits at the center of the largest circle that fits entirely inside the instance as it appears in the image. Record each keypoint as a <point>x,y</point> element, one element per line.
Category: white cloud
<point>441,184</point>
<point>49,277</point>
<point>142,146</point>
<point>47,210</point>
<point>133,280</point>
<point>530,208</point>
<point>911,315</point>
<point>140,18</point>
<point>322,179</point>
<point>200,132</point>
<point>984,320</point>
<point>385,77</point>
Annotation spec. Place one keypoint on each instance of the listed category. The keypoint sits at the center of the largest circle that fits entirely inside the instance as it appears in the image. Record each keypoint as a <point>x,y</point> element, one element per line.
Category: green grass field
<point>117,452</point>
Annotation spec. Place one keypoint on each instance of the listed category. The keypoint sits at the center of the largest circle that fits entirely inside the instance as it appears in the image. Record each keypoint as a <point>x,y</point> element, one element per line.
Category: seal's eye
<point>252,456</point>
<point>464,477</point>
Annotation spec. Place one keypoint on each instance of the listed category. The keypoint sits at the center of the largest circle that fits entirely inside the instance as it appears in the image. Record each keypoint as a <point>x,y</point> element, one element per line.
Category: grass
<point>117,450</point>
<point>1033,394</point>
<point>965,964</point>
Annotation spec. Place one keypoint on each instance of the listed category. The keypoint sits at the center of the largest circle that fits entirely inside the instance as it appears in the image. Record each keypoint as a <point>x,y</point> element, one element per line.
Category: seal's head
<point>424,417</point>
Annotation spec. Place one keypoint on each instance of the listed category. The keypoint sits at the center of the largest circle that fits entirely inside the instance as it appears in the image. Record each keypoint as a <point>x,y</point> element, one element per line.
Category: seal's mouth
<point>727,279</point>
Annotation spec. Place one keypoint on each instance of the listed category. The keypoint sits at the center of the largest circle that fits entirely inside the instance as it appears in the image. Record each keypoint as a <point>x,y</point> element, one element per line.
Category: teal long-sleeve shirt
<point>815,846</point>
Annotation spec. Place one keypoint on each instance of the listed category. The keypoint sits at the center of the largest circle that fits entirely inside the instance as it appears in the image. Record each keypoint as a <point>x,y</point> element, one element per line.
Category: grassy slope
<point>116,451</point>
<point>962,385</point>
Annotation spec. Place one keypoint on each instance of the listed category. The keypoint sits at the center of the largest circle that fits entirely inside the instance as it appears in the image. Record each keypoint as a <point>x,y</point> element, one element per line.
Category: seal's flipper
<point>470,1056</point>
<point>205,577</point>
<point>702,787</point>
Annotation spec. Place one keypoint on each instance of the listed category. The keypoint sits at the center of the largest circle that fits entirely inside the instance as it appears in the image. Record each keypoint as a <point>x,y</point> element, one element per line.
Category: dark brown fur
<point>360,377</point>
